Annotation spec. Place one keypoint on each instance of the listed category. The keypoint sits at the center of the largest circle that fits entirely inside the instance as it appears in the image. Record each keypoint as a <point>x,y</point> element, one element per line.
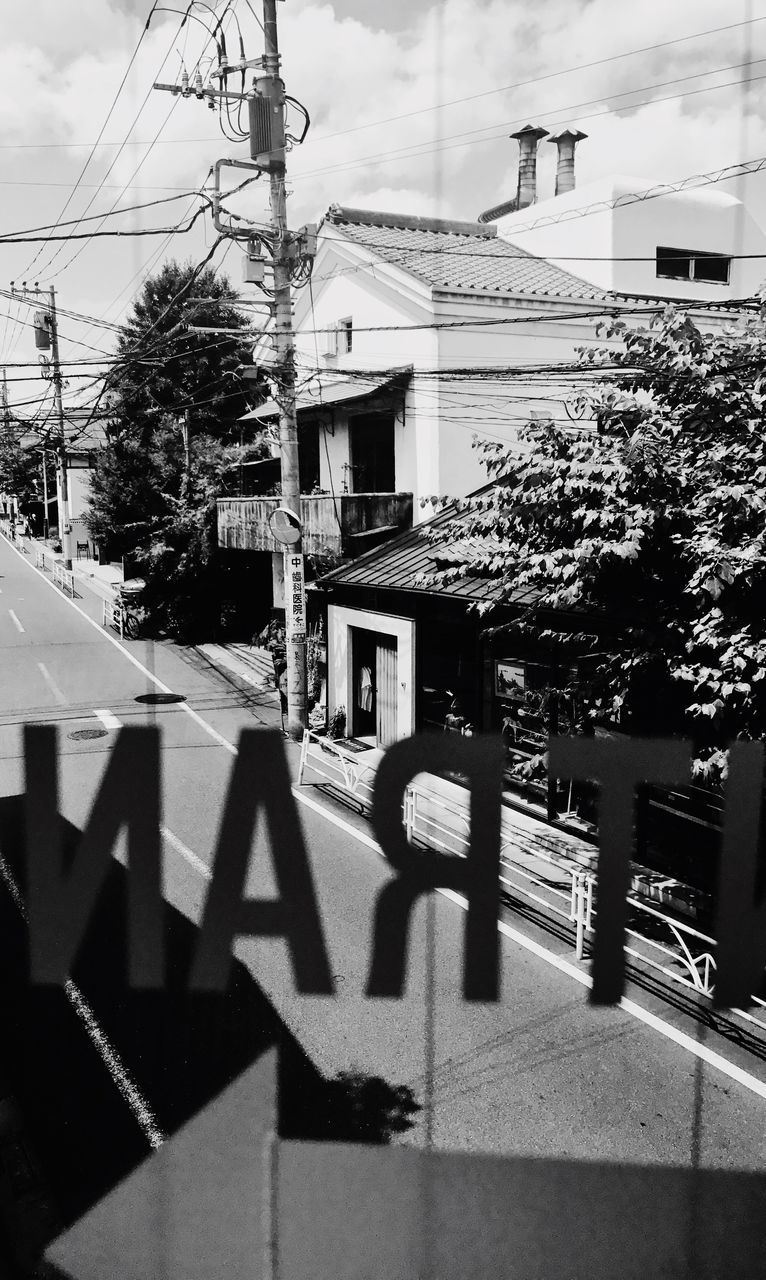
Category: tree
<point>642,536</point>
<point>174,441</point>
<point>19,464</point>
<point>162,368</point>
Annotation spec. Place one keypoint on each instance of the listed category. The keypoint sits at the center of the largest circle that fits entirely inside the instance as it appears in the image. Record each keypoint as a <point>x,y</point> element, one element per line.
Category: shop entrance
<point>373,693</point>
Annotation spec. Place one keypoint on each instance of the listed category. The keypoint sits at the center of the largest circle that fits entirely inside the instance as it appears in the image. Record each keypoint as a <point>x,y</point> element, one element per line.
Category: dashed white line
<point>16,622</point>
<point>51,683</point>
<point>629,1006</point>
<point>186,853</point>
<point>107,718</point>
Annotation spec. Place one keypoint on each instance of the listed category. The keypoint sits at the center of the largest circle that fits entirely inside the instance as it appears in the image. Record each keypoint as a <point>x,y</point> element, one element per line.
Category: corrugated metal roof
<point>459,260</point>
<point>398,564</point>
<point>325,391</point>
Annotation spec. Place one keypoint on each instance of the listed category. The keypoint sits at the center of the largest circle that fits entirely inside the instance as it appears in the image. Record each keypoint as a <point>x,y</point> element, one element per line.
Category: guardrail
<point>338,767</point>
<point>63,578</point>
<point>113,615</point>
<point>435,819</point>
<point>41,561</point>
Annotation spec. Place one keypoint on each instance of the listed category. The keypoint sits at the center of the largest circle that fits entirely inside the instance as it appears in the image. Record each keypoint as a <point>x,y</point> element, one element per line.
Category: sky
<point>411,105</point>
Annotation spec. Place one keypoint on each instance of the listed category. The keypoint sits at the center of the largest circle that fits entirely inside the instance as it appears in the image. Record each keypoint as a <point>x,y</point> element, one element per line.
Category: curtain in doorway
<point>386,681</point>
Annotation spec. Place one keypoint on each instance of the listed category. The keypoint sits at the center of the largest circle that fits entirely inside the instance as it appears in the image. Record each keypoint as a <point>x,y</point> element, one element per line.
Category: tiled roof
<point>398,565</point>
<point>460,256</point>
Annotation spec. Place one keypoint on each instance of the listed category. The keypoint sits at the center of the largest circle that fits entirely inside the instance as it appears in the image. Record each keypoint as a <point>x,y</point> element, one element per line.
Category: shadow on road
<point>179,1049</point>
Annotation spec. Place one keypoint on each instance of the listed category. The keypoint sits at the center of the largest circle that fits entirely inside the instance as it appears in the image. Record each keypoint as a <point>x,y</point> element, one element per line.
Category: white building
<point>419,334</point>
<point>635,237</point>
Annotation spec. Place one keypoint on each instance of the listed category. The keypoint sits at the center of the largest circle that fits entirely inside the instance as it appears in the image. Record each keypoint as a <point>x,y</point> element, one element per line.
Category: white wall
<point>78,481</point>
<point>433,436</point>
<point>484,406</point>
<point>701,219</point>
<point>340,690</point>
<point>383,303</point>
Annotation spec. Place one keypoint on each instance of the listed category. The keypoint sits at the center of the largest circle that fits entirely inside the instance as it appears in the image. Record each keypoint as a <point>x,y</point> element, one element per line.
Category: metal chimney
<point>528,139</point>
<point>566,141</point>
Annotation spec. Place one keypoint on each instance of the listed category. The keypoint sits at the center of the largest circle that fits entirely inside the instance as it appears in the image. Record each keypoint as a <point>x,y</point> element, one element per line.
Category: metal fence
<point>63,578</point>
<point>339,767</point>
<point>113,615</point>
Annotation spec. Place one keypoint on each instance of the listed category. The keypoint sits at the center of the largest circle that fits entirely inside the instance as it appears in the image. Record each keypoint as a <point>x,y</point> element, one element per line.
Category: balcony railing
<point>331,525</point>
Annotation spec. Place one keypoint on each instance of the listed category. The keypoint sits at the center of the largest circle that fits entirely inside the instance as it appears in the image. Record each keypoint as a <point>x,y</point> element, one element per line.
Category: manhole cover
<point>158,699</point>
<point>79,734</point>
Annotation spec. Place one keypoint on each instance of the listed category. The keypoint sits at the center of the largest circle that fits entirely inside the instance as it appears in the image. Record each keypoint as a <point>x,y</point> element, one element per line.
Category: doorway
<point>372,452</point>
<point>374,683</point>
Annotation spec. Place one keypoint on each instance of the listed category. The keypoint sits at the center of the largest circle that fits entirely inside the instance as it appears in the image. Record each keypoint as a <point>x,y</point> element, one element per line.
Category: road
<point>540,1074</point>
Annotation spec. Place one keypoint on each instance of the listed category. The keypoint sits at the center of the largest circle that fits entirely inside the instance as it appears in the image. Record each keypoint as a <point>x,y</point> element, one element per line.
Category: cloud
<point>410,117</point>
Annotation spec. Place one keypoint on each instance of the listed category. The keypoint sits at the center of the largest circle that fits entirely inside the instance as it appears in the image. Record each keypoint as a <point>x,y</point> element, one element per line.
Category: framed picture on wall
<point>509,679</point>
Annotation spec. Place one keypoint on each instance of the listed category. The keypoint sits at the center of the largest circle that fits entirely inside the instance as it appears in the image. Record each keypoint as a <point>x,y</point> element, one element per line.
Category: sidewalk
<point>102,579</point>
<point>251,672</point>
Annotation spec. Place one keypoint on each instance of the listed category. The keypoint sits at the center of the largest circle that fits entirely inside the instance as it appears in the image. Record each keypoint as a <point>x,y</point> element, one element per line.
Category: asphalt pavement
<point>540,1073</point>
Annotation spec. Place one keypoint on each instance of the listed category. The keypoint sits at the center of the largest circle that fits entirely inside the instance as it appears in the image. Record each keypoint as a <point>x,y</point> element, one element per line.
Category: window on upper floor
<point>689,264</point>
<point>345,335</point>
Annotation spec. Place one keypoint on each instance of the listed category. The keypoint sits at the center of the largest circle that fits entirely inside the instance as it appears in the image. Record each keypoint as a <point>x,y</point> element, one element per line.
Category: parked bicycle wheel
<point>130,626</point>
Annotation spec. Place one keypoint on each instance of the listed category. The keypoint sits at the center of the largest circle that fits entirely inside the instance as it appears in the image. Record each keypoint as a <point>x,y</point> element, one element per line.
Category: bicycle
<point>131,622</point>
<point>131,612</point>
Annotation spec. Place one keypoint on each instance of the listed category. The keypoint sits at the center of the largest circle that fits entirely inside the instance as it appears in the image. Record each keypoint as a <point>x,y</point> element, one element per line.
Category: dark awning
<point>326,391</point>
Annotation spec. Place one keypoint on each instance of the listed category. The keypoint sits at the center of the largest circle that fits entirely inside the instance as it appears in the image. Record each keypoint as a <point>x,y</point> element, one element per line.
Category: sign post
<point>295,596</point>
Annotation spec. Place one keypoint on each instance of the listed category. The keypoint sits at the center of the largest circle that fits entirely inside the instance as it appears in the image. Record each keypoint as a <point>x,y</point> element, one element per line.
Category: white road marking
<point>16,622</point>
<point>186,853</point>
<point>119,1073</point>
<point>51,683</point>
<point>130,1092</point>
<point>629,1006</point>
<point>361,836</point>
<point>158,684</point>
<point>107,718</point>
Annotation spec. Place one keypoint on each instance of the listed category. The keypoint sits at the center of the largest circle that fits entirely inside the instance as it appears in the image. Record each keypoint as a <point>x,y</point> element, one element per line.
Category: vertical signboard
<point>295,597</point>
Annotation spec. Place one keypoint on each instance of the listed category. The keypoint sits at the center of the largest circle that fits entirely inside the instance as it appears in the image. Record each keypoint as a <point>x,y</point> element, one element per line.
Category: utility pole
<point>271,87</point>
<point>4,394</point>
<point>187,451</point>
<point>47,338</point>
<point>289,252</point>
<point>66,528</point>
<point>46,524</point>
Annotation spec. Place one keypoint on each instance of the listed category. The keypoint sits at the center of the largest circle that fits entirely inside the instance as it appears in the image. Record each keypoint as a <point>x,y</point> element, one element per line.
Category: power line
<point>505,250</point>
<point>408,115</point>
<point>149,149</point>
<point>127,135</point>
<point>412,153</point>
<point>92,235</point>
<point>94,217</point>
<point>726,174</point>
<point>69,198</point>
<point>520,84</point>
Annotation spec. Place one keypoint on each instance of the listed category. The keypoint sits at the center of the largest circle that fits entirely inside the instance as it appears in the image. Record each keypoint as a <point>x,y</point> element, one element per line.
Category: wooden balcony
<point>345,525</point>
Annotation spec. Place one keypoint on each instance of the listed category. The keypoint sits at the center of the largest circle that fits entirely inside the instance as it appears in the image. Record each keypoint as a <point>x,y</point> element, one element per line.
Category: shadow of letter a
<point>260,780</point>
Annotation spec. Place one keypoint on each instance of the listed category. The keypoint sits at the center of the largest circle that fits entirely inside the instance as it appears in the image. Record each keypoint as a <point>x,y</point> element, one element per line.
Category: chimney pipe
<point>566,141</point>
<point>528,139</point>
